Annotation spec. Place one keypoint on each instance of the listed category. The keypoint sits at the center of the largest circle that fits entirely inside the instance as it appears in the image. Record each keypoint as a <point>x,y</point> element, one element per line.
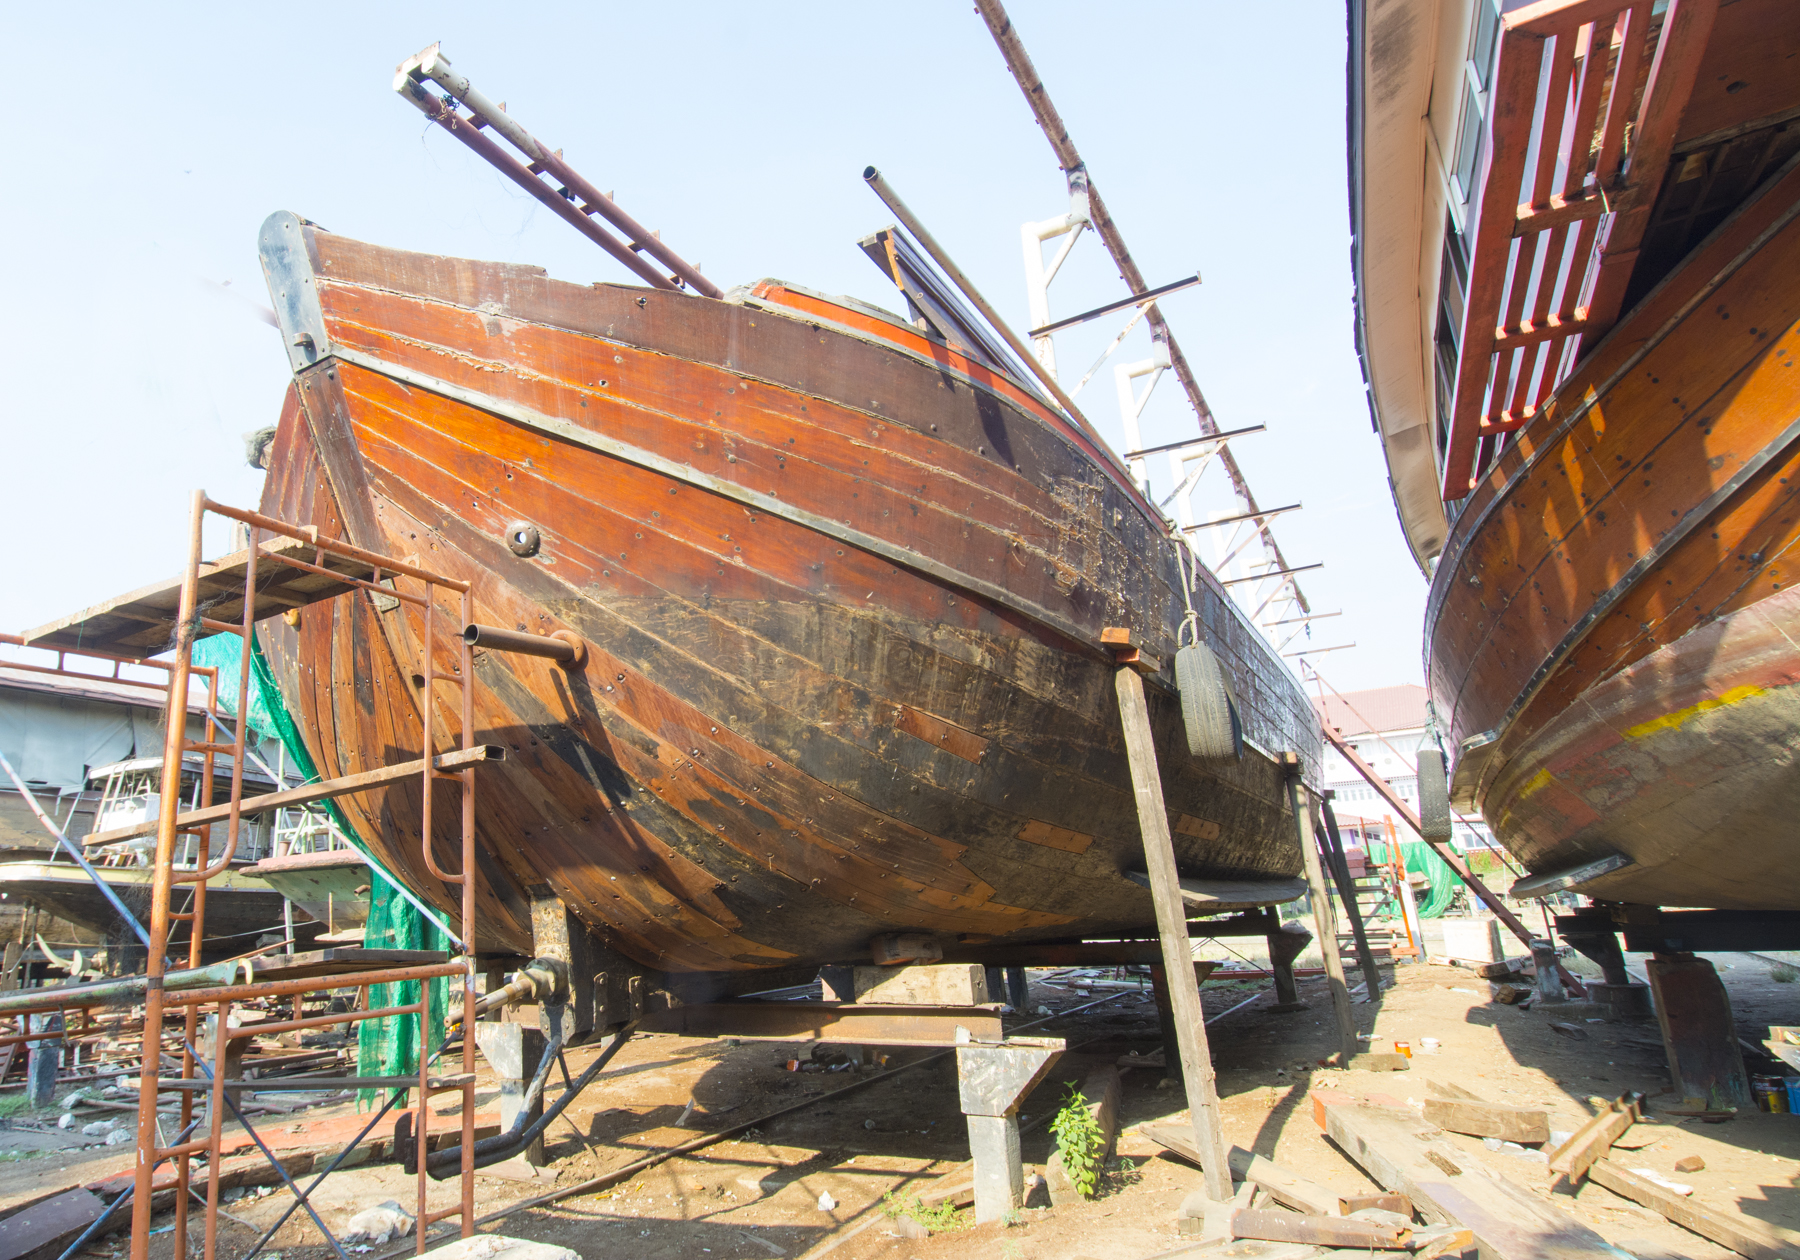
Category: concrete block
<point>514,1052</point>
<point>941,984</point>
<point>1472,940</point>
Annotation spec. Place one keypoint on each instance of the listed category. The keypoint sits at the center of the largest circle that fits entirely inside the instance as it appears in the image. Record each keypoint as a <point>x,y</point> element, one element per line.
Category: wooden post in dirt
<point>1171,923</point>
<point>1324,919</point>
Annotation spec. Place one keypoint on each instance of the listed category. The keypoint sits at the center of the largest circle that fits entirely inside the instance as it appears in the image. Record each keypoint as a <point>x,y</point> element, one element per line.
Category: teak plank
<point>1321,1231</point>
<point>1592,1141</point>
<point>1446,1187</point>
<point>1743,1234</point>
<point>1484,1119</point>
<point>1284,1186</point>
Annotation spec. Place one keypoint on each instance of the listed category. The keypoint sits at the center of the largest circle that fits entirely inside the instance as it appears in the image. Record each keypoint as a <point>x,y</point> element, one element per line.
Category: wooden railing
<point>1586,98</point>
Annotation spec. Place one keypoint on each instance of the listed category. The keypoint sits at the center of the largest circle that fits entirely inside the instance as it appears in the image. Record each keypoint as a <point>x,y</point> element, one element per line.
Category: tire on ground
<point>1207,709</point>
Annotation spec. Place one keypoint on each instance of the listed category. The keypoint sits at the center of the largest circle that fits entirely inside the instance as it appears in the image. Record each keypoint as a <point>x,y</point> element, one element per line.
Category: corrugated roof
<point>1378,709</point>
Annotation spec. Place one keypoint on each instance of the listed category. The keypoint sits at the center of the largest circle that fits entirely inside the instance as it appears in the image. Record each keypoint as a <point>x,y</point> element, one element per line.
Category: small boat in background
<point>317,870</point>
<point>240,909</point>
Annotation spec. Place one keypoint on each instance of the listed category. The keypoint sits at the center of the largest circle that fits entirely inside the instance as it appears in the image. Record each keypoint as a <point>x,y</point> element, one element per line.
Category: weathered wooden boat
<point>841,583</point>
<point>1581,342</point>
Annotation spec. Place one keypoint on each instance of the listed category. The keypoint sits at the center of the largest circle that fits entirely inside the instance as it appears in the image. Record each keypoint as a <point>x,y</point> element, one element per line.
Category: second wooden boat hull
<point>1612,627</point>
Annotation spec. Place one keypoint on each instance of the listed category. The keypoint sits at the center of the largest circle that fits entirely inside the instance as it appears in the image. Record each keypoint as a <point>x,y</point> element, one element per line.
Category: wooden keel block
<point>895,948</point>
<point>1320,1231</point>
<point>945,984</point>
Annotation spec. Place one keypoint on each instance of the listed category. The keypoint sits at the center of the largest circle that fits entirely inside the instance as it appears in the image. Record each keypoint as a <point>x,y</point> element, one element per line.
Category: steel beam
<point>831,1022</point>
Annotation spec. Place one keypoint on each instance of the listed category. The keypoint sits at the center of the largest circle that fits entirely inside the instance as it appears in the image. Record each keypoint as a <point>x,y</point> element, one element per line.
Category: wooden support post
<point>1699,1031</point>
<point>1324,920</point>
<point>1286,943</point>
<point>1171,922</point>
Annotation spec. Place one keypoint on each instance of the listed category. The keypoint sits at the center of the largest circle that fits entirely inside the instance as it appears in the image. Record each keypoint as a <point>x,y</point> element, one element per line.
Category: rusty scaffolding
<point>282,567</point>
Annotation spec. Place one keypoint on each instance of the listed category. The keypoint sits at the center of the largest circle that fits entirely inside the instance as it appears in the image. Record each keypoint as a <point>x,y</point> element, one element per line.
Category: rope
<point>1189,633</point>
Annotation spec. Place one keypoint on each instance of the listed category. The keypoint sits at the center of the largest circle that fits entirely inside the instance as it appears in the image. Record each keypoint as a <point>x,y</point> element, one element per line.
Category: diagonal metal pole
<point>62,839</point>
<point>269,1155</point>
<point>123,1200</point>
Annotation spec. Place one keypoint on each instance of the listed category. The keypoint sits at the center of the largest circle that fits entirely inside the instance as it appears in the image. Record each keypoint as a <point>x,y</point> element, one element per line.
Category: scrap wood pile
<point>1440,1201</point>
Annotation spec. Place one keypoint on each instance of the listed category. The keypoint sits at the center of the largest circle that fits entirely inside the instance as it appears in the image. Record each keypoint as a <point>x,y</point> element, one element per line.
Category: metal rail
<point>432,65</point>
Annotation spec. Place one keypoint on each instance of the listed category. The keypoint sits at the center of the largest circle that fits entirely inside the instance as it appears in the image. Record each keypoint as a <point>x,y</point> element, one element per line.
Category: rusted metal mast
<point>1038,97</point>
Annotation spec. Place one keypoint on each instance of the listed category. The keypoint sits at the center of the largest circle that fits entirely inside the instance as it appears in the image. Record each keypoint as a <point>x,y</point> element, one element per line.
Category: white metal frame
<point>1236,534</point>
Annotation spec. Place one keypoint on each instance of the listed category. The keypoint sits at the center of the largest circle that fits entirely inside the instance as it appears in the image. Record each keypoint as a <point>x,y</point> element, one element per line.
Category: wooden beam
<point>306,795</point>
<point>1447,1187</point>
<point>1687,28</point>
<point>1324,919</point>
<point>1171,922</point>
<point>1485,1119</point>
<point>1319,1231</point>
<point>1283,1185</point>
<point>1593,1140</point>
<point>1586,204</point>
<point>1742,1234</point>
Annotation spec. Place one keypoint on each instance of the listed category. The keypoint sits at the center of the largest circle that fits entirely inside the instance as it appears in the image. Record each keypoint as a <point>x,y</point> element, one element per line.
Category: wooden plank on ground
<point>1484,1119</point>
<point>1402,1154</point>
<point>1320,1231</point>
<point>1593,1140</point>
<point>1743,1234</point>
<point>1284,1186</point>
<point>44,1230</point>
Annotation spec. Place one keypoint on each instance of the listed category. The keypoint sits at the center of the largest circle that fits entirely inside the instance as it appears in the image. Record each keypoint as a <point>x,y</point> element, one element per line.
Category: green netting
<point>225,652</point>
<point>1420,856</point>
<point>388,1046</point>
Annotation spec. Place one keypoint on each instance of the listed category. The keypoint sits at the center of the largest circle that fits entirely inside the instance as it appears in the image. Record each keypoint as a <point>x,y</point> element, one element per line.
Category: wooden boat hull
<point>238,909</point>
<point>842,594</point>
<point>1610,629</point>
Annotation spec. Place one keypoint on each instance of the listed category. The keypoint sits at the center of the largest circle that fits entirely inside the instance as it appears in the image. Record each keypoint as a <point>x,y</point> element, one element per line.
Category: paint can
<point>1770,1094</point>
<point>1793,1093</point>
<point>1429,1045</point>
<point>1403,1047</point>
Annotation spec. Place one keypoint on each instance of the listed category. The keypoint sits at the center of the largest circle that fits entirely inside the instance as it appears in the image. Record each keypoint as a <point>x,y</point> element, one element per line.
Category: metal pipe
<point>1037,97</point>
<point>62,839</point>
<point>442,113</point>
<point>434,65</point>
<point>561,647</point>
<point>123,992</point>
<point>1136,299</point>
<point>490,1150</point>
<point>911,223</point>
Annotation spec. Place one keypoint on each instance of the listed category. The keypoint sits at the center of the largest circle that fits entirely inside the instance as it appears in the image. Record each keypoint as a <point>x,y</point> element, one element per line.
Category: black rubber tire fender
<point>1208,711</point>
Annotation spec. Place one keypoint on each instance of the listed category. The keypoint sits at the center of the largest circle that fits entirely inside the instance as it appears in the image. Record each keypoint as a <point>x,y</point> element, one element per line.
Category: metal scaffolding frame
<point>213,991</point>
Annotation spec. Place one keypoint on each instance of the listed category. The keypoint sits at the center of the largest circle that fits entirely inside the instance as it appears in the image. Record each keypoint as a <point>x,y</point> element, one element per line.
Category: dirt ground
<point>823,1180</point>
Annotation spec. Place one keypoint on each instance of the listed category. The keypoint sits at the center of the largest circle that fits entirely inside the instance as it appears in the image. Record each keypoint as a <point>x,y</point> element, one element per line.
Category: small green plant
<point>1078,1142</point>
<point>1781,973</point>
<point>936,1219</point>
<point>13,1104</point>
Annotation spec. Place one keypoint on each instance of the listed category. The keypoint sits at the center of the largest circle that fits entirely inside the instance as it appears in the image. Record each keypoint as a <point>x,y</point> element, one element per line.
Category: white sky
<point>149,142</point>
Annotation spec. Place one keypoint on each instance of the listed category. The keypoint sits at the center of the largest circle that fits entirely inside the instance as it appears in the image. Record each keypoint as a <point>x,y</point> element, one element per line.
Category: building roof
<point>1399,708</point>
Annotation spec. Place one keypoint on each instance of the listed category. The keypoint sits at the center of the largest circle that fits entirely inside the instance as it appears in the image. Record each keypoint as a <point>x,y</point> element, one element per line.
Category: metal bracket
<point>293,289</point>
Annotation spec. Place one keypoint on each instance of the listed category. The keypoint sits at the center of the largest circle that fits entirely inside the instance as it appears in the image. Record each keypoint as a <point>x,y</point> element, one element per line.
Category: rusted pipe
<point>561,647</point>
<point>441,112</point>
<point>433,65</point>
